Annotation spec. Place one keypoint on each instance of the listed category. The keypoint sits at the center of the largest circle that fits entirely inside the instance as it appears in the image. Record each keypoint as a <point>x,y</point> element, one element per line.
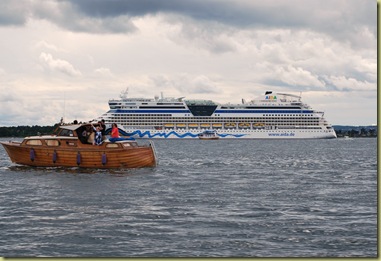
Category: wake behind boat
<point>272,116</point>
<point>67,148</point>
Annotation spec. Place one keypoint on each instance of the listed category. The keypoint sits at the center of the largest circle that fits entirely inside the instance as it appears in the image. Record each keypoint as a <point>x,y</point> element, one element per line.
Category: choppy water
<point>224,198</point>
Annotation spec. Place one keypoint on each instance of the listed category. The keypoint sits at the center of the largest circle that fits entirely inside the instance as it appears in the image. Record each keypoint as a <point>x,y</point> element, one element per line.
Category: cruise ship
<point>271,116</point>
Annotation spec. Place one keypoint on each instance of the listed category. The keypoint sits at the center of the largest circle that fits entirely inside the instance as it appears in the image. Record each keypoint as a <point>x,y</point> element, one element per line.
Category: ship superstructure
<point>272,116</point>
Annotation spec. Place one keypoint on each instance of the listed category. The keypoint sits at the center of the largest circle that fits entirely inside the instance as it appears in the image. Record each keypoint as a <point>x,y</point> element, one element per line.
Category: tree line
<point>24,131</point>
<point>362,132</point>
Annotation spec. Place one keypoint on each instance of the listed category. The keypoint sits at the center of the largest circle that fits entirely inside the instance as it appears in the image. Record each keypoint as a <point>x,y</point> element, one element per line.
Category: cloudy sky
<point>69,57</point>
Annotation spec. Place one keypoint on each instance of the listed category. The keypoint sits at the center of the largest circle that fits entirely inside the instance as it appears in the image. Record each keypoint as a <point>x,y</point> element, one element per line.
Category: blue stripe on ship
<point>147,134</point>
<point>150,111</point>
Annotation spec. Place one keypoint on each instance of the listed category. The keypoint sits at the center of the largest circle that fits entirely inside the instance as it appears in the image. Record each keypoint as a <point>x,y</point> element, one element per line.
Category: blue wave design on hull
<point>234,135</point>
<point>147,134</point>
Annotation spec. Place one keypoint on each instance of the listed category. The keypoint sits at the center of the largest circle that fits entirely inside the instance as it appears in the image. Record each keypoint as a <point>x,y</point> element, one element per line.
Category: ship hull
<point>233,134</point>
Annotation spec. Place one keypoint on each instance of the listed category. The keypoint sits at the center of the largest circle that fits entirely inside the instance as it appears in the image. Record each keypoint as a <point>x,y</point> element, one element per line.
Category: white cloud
<point>297,76</point>
<point>221,50</point>
<point>102,71</point>
<point>194,85</point>
<point>349,83</point>
<point>210,36</point>
<point>45,45</point>
<point>58,65</point>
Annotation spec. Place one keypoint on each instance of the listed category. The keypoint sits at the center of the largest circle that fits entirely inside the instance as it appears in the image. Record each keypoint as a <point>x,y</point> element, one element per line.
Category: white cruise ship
<point>272,116</point>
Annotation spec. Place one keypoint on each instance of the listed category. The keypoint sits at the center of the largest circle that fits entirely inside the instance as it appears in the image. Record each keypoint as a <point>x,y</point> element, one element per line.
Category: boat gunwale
<point>81,147</point>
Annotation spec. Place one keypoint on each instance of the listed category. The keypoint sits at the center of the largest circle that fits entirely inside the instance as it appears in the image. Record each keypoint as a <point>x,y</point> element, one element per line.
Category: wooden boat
<point>208,135</point>
<point>69,148</point>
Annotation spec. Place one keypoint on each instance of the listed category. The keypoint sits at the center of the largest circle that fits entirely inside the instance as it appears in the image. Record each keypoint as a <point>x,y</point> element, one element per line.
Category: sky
<point>67,58</point>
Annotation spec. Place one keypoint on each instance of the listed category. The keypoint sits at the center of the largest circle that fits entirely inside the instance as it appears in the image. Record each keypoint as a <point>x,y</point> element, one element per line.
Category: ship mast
<point>123,95</point>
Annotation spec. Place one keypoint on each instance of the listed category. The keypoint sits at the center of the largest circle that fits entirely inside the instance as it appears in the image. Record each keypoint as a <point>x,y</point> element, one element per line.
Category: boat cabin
<point>73,136</point>
<point>84,132</point>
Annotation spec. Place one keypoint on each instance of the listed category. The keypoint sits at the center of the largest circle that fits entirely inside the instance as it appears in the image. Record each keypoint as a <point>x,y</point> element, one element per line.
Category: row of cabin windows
<point>166,116</point>
<point>137,119</point>
<point>212,120</point>
<point>126,123</point>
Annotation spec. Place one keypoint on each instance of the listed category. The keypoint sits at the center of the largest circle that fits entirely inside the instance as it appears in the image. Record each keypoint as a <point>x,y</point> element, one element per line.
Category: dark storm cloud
<point>344,19</point>
<point>238,13</point>
<point>325,15</point>
<point>13,12</point>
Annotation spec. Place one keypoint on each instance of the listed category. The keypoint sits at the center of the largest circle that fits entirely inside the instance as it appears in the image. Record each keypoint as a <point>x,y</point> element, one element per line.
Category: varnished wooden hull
<point>89,156</point>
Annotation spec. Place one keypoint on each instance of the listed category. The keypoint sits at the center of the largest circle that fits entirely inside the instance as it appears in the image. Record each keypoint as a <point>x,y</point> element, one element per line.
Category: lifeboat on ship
<point>230,125</point>
<point>205,125</point>
<point>258,125</point>
<point>169,125</point>
<point>217,125</point>
<point>244,125</point>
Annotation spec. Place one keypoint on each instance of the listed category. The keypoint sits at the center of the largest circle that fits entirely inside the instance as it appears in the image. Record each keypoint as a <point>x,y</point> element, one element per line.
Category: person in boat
<point>98,135</point>
<point>103,128</point>
<point>91,137</point>
<point>115,134</point>
<point>114,131</point>
<point>82,135</point>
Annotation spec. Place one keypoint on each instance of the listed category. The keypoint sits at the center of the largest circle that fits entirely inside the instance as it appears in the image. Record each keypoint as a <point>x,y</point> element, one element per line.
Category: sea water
<point>215,198</point>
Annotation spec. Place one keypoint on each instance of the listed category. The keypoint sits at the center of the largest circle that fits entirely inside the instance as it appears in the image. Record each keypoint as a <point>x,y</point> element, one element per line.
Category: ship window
<point>34,142</point>
<point>52,142</point>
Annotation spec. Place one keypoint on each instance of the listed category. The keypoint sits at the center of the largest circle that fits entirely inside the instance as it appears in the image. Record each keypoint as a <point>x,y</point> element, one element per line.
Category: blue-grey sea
<point>221,198</point>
